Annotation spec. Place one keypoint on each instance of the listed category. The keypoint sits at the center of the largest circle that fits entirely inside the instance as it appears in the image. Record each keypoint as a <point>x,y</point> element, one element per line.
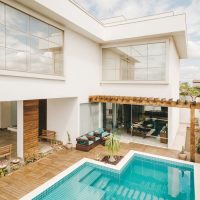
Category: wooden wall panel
<point>31,125</point>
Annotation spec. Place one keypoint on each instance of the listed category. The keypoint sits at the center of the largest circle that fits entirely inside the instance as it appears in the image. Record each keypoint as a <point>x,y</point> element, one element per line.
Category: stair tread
<point>90,178</point>
<point>92,193</point>
<point>136,195</point>
<point>84,172</point>
<point>102,182</point>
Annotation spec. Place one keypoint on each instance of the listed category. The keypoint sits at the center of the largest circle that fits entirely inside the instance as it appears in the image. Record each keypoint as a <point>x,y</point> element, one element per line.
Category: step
<point>81,174</point>
<point>119,190</point>
<point>125,192</point>
<point>154,198</point>
<point>136,195</point>
<point>121,193</point>
<point>142,196</point>
<point>130,194</point>
<point>110,191</point>
<point>90,193</point>
<point>112,187</point>
<point>102,182</point>
<point>148,197</point>
<point>91,178</point>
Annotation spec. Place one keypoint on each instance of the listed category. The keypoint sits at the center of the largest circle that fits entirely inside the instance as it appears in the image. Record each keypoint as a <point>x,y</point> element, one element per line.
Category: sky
<point>190,68</point>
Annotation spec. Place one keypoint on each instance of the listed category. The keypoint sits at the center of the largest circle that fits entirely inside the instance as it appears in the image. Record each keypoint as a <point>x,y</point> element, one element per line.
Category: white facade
<point>84,37</point>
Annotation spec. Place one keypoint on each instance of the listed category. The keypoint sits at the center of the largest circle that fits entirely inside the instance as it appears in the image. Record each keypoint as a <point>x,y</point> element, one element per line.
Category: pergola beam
<point>144,101</point>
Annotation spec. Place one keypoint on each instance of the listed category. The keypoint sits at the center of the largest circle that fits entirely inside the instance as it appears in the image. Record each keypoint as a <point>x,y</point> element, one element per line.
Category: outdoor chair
<point>48,135</point>
<point>6,151</point>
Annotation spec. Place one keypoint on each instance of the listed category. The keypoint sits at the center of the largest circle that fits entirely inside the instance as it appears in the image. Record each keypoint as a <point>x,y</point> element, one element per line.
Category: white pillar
<point>20,129</point>
<point>173,125</point>
<point>100,115</point>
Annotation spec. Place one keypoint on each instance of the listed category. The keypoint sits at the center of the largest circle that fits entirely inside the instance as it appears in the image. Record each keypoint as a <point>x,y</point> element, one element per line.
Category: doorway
<point>42,115</point>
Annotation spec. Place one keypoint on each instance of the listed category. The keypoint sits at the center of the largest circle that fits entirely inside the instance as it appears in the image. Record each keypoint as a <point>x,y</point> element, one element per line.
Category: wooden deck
<point>30,177</point>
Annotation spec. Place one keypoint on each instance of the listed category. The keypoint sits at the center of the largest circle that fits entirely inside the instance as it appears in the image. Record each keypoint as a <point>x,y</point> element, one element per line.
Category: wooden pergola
<point>145,101</point>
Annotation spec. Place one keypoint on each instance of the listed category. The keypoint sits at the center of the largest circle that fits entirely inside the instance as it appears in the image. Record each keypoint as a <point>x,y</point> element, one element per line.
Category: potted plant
<point>113,146</point>
<point>182,155</point>
<point>69,144</point>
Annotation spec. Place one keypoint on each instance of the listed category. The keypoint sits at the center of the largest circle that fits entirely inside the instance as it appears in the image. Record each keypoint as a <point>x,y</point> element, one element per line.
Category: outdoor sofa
<point>91,139</point>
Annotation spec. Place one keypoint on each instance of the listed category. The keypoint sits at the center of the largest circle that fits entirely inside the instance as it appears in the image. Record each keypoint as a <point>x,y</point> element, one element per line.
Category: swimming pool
<point>139,177</point>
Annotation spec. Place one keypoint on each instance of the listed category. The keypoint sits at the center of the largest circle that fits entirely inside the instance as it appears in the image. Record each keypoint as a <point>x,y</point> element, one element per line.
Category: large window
<point>28,44</point>
<point>146,62</point>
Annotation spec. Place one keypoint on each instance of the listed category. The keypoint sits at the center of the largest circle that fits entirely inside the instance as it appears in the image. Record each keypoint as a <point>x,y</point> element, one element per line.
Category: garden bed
<point>105,159</point>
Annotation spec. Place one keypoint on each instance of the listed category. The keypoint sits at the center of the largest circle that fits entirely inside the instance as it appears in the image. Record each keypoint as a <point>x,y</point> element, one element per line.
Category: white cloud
<point>193,49</point>
<point>190,73</point>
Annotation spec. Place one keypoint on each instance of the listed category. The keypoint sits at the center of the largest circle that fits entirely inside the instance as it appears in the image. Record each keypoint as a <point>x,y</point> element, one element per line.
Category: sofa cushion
<point>83,142</point>
<point>105,134</point>
<point>83,137</point>
<point>100,130</point>
<point>90,142</point>
<point>97,138</point>
<point>91,133</point>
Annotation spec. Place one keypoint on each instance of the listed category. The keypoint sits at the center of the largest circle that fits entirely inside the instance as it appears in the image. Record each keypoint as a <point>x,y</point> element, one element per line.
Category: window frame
<point>145,42</point>
<point>49,22</point>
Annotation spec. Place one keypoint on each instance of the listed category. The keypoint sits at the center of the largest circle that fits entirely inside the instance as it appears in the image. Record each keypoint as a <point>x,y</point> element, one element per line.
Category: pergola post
<point>192,134</point>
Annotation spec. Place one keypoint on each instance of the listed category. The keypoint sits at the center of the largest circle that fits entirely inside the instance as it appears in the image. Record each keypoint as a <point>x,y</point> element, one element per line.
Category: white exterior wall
<point>63,116</point>
<point>82,62</point>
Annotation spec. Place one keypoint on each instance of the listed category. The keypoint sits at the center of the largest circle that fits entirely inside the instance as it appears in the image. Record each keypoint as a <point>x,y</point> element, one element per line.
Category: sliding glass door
<point>147,123</point>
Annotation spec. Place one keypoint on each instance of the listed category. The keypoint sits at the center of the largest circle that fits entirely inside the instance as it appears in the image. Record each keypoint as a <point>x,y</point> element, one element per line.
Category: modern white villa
<point>69,78</point>
<point>55,55</point>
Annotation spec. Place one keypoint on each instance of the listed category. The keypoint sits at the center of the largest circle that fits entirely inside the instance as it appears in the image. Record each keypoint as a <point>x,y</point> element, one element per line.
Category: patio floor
<point>30,177</point>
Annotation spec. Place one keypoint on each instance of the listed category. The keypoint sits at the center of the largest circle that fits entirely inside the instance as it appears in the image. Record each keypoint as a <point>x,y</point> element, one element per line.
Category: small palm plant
<point>69,143</point>
<point>68,138</point>
<point>113,146</point>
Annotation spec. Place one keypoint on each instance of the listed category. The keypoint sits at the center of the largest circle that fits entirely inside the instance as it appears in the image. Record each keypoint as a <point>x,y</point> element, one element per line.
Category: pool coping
<point>117,167</point>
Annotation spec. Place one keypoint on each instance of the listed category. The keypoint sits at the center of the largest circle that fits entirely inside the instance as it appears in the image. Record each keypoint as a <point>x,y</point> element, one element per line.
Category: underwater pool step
<point>116,191</point>
<point>110,190</point>
<point>77,190</point>
<point>91,177</point>
<point>91,193</point>
<point>122,192</point>
<point>102,182</point>
<point>83,173</point>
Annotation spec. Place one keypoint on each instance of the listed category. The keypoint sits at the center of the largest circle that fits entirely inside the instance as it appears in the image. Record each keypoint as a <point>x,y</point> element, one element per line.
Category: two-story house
<point>54,55</point>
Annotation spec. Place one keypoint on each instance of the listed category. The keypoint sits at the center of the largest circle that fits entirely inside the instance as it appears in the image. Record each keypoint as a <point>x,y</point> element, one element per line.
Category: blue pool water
<point>142,178</point>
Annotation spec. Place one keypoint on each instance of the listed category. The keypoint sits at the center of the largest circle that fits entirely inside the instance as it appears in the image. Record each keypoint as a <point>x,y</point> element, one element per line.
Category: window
<point>2,14</point>
<point>146,62</point>
<point>28,44</point>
